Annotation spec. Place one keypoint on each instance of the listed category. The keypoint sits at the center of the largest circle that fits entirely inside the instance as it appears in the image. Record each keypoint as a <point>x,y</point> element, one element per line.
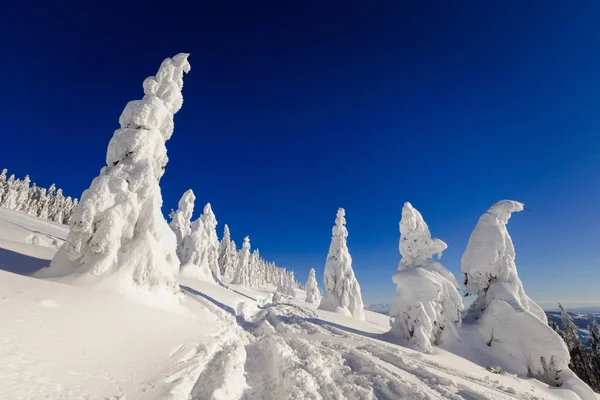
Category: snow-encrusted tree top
<point>416,245</point>
<point>209,219</point>
<point>339,229</point>
<point>118,225</point>
<point>226,234</point>
<point>246,244</point>
<point>186,204</point>
<point>490,252</point>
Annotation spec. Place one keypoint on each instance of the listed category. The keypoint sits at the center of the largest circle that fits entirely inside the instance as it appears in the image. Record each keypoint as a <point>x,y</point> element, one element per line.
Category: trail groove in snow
<point>290,352</point>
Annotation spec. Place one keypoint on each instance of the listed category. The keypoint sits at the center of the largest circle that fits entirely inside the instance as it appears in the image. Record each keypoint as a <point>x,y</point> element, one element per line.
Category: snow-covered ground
<point>59,341</point>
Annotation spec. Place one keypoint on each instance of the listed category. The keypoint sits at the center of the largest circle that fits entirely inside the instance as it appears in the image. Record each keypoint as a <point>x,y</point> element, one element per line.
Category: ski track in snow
<point>284,351</point>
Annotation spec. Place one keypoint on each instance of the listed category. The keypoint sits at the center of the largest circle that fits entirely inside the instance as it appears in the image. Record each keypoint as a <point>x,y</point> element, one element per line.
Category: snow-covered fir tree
<point>253,269</point>
<point>234,259</point>
<point>508,326</point>
<point>23,195</point>
<point>195,253</point>
<point>11,193</point>
<point>427,299</point>
<point>313,295</point>
<point>242,275</point>
<point>181,220</point>
<point>227,254</point>
<point>582,362</point>
<point>212,240</point>
<point>284,285</point>
<point>118,226</point>
<point>343,291</point>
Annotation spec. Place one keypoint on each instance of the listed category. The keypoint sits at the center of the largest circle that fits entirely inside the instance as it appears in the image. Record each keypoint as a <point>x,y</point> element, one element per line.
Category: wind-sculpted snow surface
<point>427,300</point>
<point>504,322</point>
<point>118,226</point>
<point>342,289</point>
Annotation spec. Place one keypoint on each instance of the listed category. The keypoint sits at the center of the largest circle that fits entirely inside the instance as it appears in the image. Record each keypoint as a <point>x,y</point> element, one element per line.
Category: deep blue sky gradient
<point>293,109</point>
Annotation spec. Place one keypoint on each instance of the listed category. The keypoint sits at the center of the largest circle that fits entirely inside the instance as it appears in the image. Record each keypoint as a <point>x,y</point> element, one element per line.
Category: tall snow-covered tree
<point>11,193</point>
<point>508,326</point>
<point>234,259</point>
<point>212,242</point>
<point>195,252</point>
<point>313,295</point>
<point>118,226</point>
<point>43,204</point>
<point>181,220</point>
<point>226,254</point>
<point>343,291</point>
<point>427,299</point>
<point>242,275</point>
<point>23,195</point>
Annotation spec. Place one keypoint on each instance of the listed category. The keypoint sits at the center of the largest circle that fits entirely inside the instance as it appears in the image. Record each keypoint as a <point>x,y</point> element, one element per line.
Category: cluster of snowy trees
<point>26,197</point>
<point>503,323</point>
<point>585,361</point>
<point>203,256</point>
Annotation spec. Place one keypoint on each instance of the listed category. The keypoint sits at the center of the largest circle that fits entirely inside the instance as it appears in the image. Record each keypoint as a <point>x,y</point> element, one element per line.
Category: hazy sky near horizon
<point>292,110</point>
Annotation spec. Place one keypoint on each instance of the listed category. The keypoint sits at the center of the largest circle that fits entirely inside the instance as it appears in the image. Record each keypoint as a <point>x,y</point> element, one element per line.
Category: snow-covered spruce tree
<point>427,299</point>
<point>343,291</point>
<point>181,220</point>
<point>11,193</point>
<point>24,192</point>
<point>2,182</point>
<point>195,253</point>
<point>212,240</point>
<point>57,205</point>
<point>242,276</point>
<point>254,268</point>
<point>512,330</point>
<point>582,362</point>
<point>226,254</point>
<point>43,203</point>
<point>118,227</point>
<point>234,260</point>
<point>312,288</point>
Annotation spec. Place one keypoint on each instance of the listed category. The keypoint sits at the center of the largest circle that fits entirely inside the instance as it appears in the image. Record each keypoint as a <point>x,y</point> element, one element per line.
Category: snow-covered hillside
<point>59,341</point>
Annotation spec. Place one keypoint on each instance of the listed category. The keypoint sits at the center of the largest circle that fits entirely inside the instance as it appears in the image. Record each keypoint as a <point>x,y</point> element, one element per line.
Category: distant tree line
<point>26,197</point>
<point>585,361</point>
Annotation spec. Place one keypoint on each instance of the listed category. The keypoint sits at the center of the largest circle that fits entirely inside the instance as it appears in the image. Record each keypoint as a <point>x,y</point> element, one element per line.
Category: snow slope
<point>59,341</point>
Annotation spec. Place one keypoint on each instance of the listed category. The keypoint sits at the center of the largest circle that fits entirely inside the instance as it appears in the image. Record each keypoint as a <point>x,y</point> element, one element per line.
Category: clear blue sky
<point>293,109</point>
